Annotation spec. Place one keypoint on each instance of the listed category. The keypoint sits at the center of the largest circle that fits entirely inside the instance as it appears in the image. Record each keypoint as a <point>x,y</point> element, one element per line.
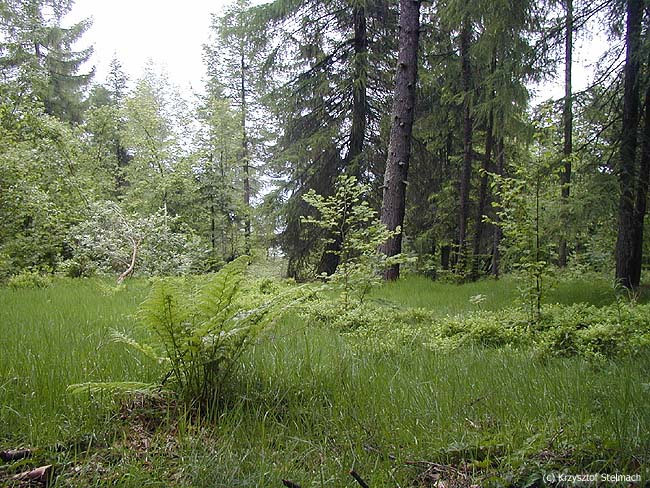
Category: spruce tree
<point>37,52</point>
<point>399,147</point>
<point>233,63</point>
<point>628,263</point>
<point>335,59</point>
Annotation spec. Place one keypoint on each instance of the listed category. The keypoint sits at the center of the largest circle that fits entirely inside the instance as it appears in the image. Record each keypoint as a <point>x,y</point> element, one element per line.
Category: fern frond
<point>200,330</point>
<point>216,298</point>
<point>147,350</point>
<point>116,387</point>
<point>164,308</point>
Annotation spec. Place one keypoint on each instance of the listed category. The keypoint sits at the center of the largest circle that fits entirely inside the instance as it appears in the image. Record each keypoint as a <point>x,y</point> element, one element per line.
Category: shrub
<point>109,236</point>
<point>347,218</point>
<point>597,332</point>
<point>78,267</point>
<point>29,279</point>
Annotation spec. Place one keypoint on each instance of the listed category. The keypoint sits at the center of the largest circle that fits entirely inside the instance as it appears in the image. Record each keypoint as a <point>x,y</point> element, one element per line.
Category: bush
<point>105,242</point>
<point>29,279</point>
<point>596,332</point>
<point>347,218</point>
<point>371,327</point>
<point>79,267</point>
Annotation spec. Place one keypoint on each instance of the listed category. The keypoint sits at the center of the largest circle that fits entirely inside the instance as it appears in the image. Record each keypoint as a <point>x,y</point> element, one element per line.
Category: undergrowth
<point>404,396</point>
<point>198,330</point>
<point>594,333</point>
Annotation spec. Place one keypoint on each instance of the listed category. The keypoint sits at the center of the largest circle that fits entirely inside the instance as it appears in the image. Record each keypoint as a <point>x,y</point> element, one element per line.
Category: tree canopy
<point>299,94</point>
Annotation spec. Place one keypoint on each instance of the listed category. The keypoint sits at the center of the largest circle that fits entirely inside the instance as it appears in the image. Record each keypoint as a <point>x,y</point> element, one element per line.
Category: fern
<point>145,349</point>
<point>201,333</point>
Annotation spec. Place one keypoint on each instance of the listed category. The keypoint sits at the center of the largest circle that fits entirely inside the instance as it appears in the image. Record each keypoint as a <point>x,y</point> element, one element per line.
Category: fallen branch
<point>358,478</point>
<point>15,455</point>
<point>290,484</point>
<point>131,267</point>
<point>43,475</point>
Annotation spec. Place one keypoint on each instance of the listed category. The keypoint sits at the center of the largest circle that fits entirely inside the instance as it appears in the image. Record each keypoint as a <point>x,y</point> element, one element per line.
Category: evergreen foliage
<point>37,55</point>
<point>285,157</point>
<point>335,61</point>
<point>297,95</point>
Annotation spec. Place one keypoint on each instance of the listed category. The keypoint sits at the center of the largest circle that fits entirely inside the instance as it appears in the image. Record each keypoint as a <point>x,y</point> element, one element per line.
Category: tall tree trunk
<point>399,147</point>
<point>245,157</point>
<point>224,229</point>
<point>482,197</point>
<point>498,233</point>
<point>567,119</point>
<point>641,201</point>
<point>123,160</point>
<point>211,197</point>
<point>625,274</point>
<point>466,173</point>
<point>352,162</point>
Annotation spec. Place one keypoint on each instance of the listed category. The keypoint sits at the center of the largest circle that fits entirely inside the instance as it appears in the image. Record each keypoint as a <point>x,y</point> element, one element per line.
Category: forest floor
<point>308,406</point>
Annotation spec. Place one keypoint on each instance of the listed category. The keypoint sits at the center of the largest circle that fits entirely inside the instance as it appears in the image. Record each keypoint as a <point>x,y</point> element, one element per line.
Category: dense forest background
<point>121,176</point>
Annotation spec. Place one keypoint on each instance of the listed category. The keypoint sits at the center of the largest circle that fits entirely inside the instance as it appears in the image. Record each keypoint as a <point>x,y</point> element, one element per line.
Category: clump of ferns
<point>198,333</point>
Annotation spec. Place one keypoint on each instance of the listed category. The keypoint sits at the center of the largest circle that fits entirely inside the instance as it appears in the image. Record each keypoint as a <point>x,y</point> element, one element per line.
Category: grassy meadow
<point>308,407</point>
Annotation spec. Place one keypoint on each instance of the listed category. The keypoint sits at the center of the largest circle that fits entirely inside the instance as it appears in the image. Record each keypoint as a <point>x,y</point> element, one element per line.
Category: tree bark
<point>567,119</point>
<point>399,147</point>
<point>641,201</point>
<point>625,274</point>
<point>224,228</point>
<point>245,157</point>
<point>43,476</point>
<point>466,173</point>
<point>213,235</point>
<point>479,225</point>
<point>129,270</point>
<point>15,455</point>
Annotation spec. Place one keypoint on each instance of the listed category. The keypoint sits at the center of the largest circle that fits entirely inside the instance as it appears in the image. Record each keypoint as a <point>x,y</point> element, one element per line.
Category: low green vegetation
<point>140,347</point>
<point>456,389</point>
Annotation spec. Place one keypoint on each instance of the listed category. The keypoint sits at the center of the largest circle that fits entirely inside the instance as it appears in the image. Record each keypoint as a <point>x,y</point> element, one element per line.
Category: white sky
<point>169,33</point>
<point>587,49</point>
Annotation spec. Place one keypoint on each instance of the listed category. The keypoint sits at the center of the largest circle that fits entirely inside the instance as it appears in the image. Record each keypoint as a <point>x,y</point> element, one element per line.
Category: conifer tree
<point>399,147</point>
<point>218,144</point>
<point>37,52</point>
<point>628,264</point>
<point>477,60</point>
<point>567,123</point>
<point>335,59</point>
<point>233,63</point>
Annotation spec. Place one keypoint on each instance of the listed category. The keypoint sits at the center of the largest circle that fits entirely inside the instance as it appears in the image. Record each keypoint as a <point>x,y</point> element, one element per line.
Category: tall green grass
<point>51,338</point>
<point>309,391</point>
<point>306,407</point>
<point>450,299</point>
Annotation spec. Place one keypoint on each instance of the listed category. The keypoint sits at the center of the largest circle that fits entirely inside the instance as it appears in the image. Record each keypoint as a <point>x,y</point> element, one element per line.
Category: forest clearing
<point>367,248</point>
<point>312,400</point>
